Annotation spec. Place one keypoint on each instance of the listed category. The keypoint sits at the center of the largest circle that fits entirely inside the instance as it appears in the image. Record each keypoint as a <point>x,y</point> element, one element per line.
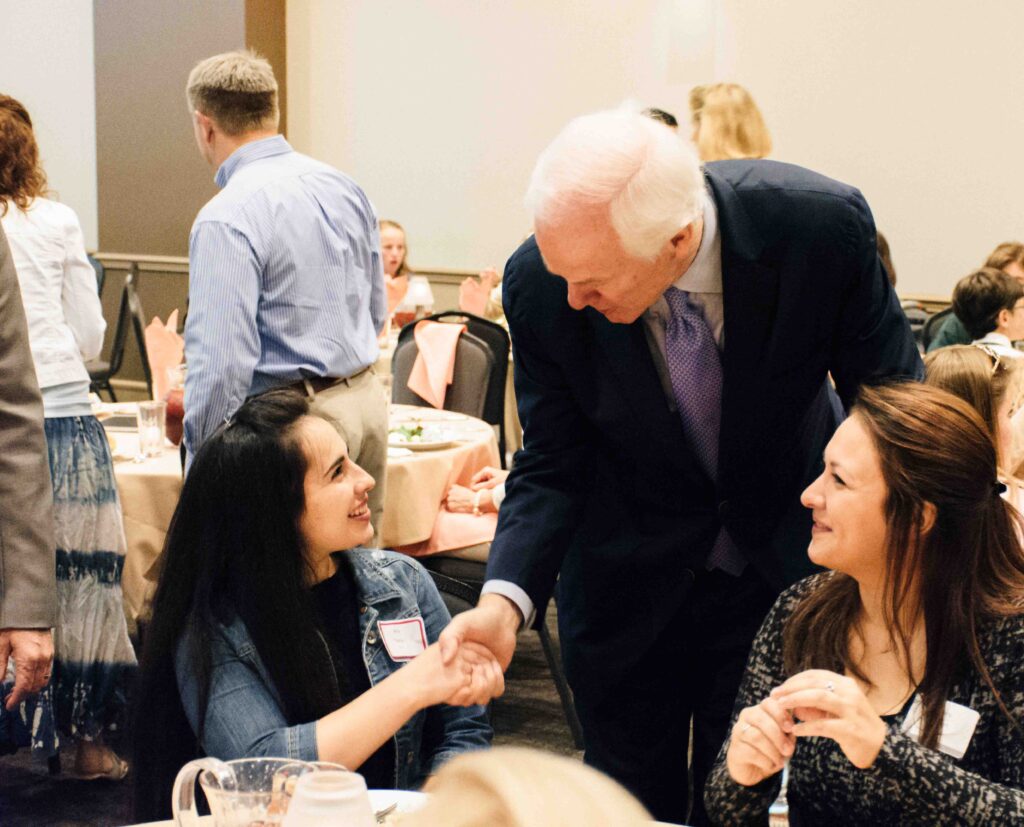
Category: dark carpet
<point>529,714</point>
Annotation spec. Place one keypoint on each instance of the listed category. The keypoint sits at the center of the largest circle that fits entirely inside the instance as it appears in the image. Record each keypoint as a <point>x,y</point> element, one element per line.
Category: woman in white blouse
<point>86,697</point>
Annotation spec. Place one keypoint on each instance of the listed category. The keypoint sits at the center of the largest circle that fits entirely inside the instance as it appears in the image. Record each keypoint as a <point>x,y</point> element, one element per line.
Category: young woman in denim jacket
<point>265,640</point>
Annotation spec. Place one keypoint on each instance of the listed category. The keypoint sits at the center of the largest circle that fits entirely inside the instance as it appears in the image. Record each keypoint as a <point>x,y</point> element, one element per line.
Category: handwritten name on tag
<point>403,639</point>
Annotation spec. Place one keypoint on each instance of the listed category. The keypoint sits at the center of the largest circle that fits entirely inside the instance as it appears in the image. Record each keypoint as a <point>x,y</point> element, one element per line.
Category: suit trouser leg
<point>358,409</point>
<point>638,731</point>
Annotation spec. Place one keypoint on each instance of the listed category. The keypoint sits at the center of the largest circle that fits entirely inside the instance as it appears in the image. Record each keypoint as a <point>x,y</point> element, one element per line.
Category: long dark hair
<point>934,448</point>
<point>234,550</point>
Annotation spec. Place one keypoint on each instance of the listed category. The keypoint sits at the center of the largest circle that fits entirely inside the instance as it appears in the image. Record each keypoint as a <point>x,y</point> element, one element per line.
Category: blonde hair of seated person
<point>992,385</point>
<point>517,787</point>
<point>727,123</point>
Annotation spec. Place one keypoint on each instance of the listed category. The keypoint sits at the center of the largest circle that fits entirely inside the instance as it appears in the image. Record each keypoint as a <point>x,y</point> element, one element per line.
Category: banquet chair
<point>917,316</point>
<point>459,582</point>
<point>497,339</point>
<point>931,327</point>
<point>474,375</point>
<point>129,315</point>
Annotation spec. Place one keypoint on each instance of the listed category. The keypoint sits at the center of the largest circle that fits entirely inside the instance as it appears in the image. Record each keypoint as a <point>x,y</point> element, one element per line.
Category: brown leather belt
<point>322,383</point>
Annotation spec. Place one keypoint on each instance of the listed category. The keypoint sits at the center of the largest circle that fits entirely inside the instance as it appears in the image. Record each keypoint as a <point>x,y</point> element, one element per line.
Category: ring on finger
<point>830,687</point>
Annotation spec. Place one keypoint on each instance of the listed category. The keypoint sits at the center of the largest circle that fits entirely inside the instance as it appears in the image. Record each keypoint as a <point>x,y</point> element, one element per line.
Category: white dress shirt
<point>999,344</point>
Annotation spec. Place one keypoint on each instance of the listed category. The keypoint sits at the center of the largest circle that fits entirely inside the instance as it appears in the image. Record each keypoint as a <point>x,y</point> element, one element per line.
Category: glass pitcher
<point>241,793</point>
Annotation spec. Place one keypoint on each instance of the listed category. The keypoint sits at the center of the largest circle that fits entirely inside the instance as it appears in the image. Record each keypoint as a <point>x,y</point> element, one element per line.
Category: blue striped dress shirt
<point>285,282</point>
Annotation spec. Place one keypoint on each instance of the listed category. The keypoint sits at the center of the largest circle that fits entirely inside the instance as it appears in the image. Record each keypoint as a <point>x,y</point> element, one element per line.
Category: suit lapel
<point>750,297</point>
<point>629,358</point>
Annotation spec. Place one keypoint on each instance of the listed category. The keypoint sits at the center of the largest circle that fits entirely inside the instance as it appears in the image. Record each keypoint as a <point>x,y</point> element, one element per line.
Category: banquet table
<point>417,481</point>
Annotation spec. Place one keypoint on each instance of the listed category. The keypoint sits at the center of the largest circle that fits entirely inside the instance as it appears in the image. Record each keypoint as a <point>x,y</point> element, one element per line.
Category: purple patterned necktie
<point>695,369</point>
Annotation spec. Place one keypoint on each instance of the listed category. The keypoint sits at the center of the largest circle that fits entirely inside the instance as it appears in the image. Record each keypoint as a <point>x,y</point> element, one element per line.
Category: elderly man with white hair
<point>674,331</point>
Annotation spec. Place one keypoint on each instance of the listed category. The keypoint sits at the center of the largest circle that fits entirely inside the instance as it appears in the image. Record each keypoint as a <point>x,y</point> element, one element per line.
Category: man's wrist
<point>506,607</point>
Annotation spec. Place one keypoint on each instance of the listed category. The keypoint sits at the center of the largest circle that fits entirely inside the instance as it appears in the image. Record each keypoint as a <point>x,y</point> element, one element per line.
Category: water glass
<point>330,797</point>
<point>152,417</point>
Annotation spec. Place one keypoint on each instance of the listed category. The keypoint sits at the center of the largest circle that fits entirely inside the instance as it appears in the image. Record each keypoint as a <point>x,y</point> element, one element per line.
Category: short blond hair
<point>237,90</point>
<point>727,123</point>
<point>517,787</point>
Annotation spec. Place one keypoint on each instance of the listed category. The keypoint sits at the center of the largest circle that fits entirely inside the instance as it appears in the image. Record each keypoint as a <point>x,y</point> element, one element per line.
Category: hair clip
<point>991,353</point>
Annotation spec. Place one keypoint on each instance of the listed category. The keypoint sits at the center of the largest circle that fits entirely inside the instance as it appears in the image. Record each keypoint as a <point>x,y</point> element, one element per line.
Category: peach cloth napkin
<point>434,368</point>
<point>166,349</point>
<point>474,293</point>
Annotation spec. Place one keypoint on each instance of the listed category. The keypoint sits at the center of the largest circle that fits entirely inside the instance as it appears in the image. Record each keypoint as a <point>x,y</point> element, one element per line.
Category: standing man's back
<point>285,285</point>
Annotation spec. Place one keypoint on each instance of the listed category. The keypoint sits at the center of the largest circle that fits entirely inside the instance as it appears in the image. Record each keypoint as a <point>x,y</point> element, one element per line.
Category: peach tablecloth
<point>417,483</point>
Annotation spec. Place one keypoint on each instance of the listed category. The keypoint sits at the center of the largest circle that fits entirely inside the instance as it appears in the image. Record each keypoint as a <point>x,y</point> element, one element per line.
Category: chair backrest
<point>138,322</point>
<point>101,273</point>
<point>497,340</point>
<point>121,327</point>
<point>474,374</point>
<point>931,327</point>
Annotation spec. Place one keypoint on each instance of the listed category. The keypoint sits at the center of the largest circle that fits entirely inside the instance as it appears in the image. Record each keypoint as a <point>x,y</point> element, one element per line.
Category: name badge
<point>958,724</point>
<point>404,639</point>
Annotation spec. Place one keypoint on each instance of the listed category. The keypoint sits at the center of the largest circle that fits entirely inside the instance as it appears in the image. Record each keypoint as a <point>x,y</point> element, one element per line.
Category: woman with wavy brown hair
<point>86,698</point>
<point>892,684</point>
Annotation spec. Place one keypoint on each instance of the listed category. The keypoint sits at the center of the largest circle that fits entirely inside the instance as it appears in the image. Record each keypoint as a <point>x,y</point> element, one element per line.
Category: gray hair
<point>649,177</point>
<point>237,90</point>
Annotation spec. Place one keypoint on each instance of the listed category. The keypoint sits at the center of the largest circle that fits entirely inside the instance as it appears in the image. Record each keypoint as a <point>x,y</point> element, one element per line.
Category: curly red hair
<point>22,179</point>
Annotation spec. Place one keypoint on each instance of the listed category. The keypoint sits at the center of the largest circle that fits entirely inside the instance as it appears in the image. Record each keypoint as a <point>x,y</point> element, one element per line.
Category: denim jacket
<point>244,717</point>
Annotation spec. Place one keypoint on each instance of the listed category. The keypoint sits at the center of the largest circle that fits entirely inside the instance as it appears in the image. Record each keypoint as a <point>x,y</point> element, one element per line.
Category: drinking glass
<point>152,418</point>
<point>330,796</point>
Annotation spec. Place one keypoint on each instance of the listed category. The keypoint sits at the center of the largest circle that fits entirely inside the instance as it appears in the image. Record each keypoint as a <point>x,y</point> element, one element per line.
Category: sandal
<point>117,770</point>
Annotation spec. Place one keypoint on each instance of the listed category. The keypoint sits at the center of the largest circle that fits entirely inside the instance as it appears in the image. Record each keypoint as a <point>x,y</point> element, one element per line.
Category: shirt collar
<point>994,338</point>
<point>247,153</point>
<point>704,275</point>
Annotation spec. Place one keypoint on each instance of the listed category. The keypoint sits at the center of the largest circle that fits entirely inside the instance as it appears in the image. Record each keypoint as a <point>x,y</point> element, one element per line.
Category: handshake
<point>467,663</point>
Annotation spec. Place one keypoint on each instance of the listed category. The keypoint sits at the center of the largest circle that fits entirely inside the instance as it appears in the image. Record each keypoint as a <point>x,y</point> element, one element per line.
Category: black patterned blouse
<point>908,783</point>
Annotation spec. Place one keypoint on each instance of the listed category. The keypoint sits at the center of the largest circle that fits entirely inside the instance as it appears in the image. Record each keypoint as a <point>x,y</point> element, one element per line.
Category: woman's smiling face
<point>848,505</point>
<point>337,514</point>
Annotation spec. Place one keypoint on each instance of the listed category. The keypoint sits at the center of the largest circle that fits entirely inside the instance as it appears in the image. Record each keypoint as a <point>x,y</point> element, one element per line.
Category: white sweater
<point>58,289</point>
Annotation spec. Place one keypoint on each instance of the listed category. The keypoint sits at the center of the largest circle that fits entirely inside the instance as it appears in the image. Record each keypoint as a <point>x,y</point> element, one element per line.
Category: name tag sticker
<point>958,725</point>
<point>404,639</point>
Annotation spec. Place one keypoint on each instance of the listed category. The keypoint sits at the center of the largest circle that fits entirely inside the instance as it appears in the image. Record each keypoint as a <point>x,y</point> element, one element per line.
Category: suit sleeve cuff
<point>516,595</point>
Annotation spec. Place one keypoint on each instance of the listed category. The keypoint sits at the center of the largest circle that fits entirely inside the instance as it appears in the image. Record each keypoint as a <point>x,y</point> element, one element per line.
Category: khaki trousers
<point>358,409</point>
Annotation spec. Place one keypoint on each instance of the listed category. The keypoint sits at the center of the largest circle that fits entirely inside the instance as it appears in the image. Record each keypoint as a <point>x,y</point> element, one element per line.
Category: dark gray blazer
<point>28,580</point>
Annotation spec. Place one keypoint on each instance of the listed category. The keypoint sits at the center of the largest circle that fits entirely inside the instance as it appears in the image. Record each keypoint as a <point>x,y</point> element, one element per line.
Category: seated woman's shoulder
<point>803,588</point>
<point>393,562</point>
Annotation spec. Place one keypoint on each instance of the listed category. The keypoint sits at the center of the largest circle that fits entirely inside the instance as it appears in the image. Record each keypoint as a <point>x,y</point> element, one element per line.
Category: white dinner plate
<point>408,801</point>
<point>436,445</point>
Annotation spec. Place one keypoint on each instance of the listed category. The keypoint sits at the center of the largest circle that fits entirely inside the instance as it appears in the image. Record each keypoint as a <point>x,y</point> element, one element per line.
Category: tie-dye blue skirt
<point>94,662</point>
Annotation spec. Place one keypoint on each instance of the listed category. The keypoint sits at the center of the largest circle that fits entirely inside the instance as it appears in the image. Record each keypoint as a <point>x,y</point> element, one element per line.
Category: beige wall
<point>439,109</point>
<point>53,76</point>
<point>151,178</point>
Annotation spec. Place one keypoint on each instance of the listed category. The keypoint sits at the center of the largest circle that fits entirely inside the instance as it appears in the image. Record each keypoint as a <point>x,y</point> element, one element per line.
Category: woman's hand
<point>461,499</point>
<point>761,742</point>
<point>833,706</point>
<point>471,675</point>
<point>487,477</point>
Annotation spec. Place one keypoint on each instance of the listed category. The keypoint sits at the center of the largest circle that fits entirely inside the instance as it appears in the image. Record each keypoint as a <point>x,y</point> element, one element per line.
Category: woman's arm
<point>79,297</point>
<point>726,800</point>
<point>245,719</point>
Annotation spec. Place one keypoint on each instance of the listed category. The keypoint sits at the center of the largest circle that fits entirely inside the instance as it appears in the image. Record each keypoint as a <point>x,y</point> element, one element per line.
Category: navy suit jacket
<point>607,492</point>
